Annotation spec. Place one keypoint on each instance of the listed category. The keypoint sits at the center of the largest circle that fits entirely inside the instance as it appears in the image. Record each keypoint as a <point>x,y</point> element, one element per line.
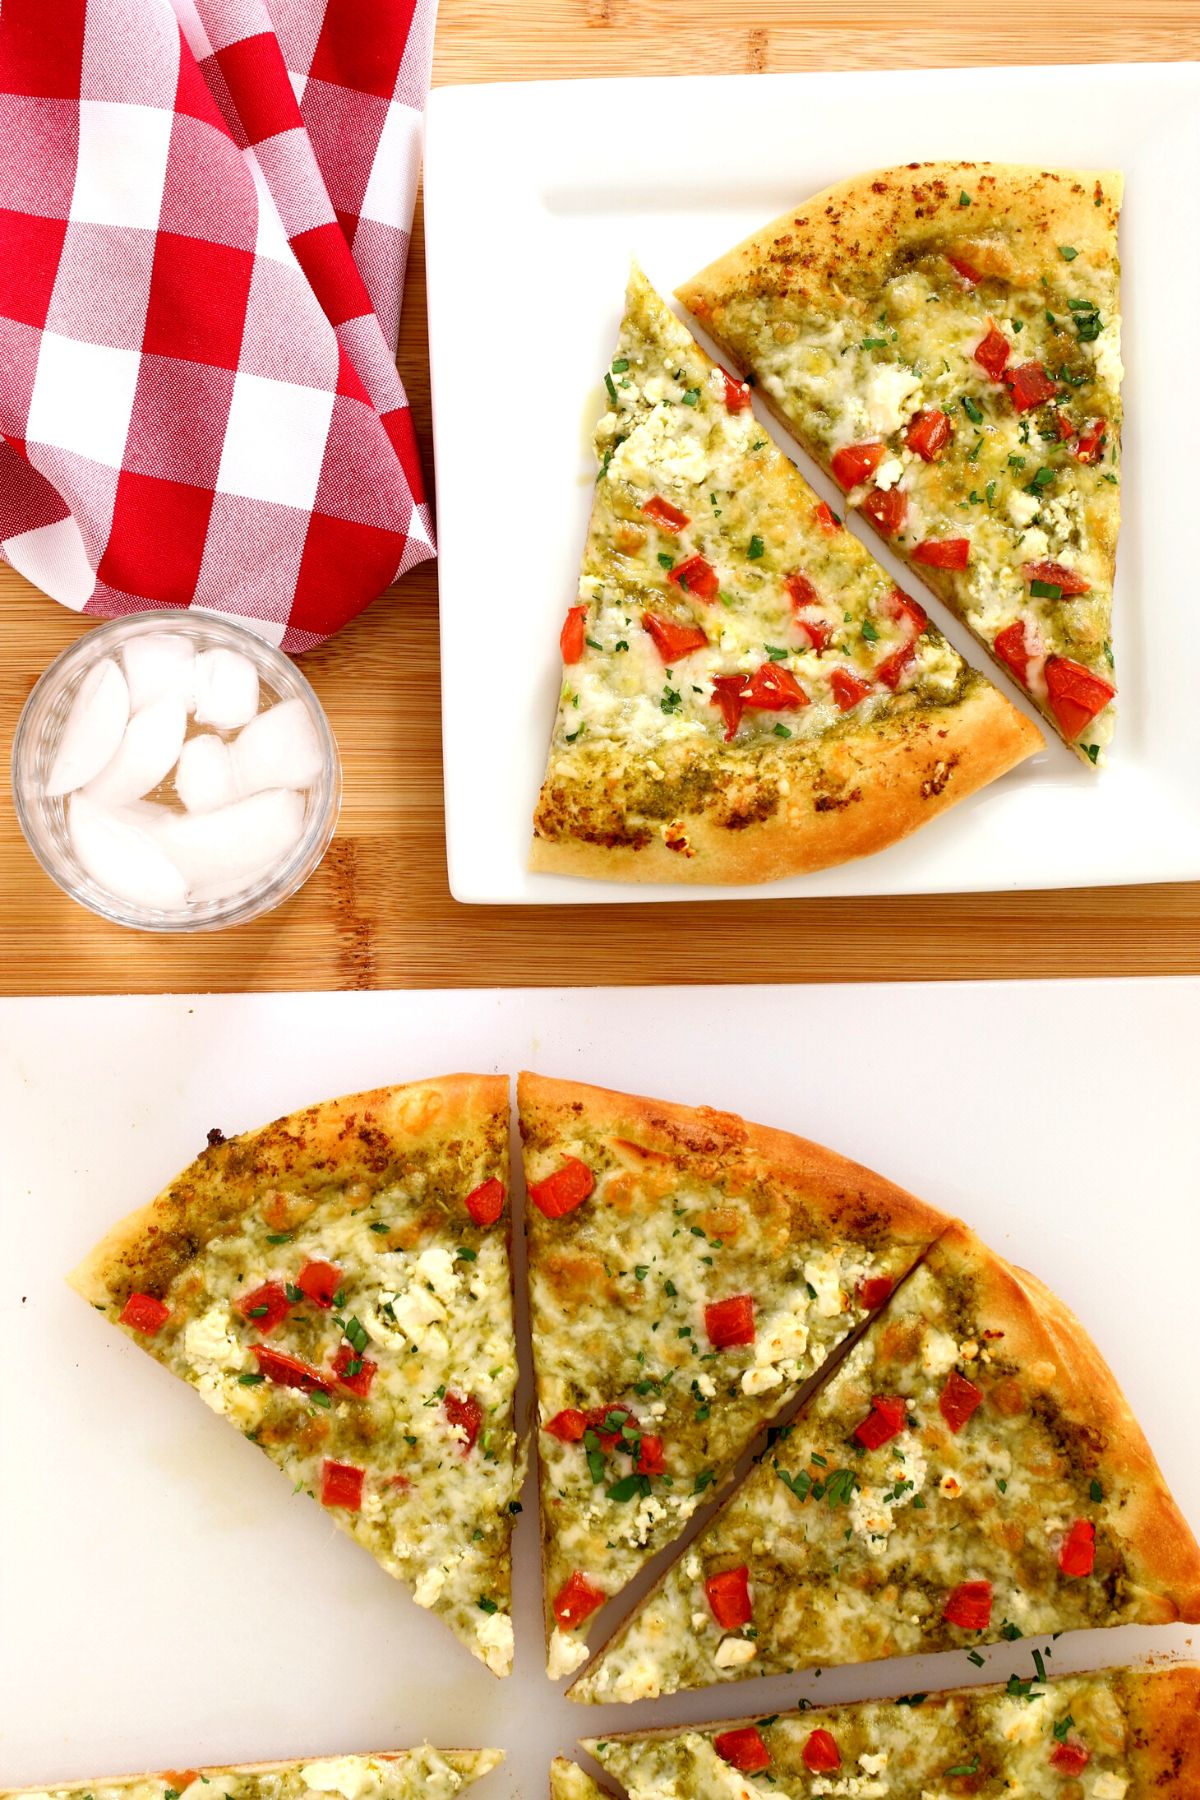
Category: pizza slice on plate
<point>338,1286</point>
<point>971,1472</point>
<point>688,1273</point>
<point>390,1775</point>
<point>944,339</point>
<point>568,1782</point>
<point>746,694</point>
<point>1121,1734</point>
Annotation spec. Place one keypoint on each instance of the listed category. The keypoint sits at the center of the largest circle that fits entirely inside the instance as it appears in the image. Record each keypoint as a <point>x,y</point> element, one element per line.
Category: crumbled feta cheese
<point>939,1352</point>
<point>414,1311</point>
<point>892,394</point>
<point>565,1654</point>
<point>436,1267</point>
<point>760,1381</point>
<point>429,1586</point>
<point>873,1764</point>
<point>1107,351</point>
<point>209,1339</point>
<point>823,1274</point>
<point>495,1634</point>
<point>1108,1786</point>
<point>345,1775</point>
<point>652,452</point>
<point>706,1386</point>
<point>889,472</point>
<point>1021,507</point>
<point>1035,544</point>
<point>735,1653</point>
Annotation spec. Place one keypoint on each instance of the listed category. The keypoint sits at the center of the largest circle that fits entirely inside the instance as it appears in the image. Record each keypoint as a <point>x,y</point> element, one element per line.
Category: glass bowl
<point>43,818</point>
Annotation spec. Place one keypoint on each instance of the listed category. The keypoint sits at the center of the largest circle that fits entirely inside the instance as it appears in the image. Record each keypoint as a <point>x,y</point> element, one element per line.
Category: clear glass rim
<point>280,671</point>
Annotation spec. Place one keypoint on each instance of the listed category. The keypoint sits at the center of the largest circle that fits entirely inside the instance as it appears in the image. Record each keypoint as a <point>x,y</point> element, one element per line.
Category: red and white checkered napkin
<point>204,215</point>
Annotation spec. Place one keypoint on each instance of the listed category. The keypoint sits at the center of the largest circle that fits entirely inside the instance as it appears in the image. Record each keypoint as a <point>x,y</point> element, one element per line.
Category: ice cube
<point>279,748</point>
<point>220,853</point>
<point>160,663</point>
<point>122,858</point>
<point>226,689</point>
<point>204,779</point>
<point>148,751</point>
<point>98,716</point>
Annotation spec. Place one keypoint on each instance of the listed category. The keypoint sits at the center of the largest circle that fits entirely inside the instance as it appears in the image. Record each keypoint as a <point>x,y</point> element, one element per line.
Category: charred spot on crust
<point>216,1136</point>
<point>836,802</point>
<point>936,782</point>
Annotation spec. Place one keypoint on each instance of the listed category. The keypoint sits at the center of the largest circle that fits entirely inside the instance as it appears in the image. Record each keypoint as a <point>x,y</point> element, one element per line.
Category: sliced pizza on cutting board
<point>389,1775</point>
<point>971,1472</point>
<point>688,1273</point>
<point>944,340</point>
<point>337,1286</point>
<point>1121,1734</point>
<point>746,694</point>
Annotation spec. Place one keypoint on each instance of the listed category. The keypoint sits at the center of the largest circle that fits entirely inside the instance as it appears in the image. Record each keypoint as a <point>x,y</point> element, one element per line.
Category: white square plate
<point>167,1602</point>
<point>536,198</point>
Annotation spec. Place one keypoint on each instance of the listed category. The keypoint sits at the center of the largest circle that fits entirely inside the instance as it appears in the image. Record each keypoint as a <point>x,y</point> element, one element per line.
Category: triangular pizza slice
<point>971,1472</point>
<point>746,694</point>
<point>688,1272</point>
<point>944,339</point>
<point>1120,1734</point>
<point>569,1782</point>
<point>337,1285</point>
<point>388,1775</point>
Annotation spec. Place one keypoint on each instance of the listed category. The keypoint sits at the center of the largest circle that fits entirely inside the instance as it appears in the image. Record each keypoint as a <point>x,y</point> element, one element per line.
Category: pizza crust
<point>873,788</point>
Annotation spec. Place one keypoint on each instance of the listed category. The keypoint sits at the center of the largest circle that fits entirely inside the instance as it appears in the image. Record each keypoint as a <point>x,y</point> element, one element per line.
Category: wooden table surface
<point>379,913</point>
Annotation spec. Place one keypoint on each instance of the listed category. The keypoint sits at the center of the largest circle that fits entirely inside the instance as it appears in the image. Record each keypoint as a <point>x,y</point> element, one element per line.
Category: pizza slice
<point>337,1285</point>
<point>971,1472</point>
<point>389,1775</point>
<point>746,694</point>
<point>568,1782</point>
<point>688,1273</point>
<point>1120,1734</point>
<point>944,339</point>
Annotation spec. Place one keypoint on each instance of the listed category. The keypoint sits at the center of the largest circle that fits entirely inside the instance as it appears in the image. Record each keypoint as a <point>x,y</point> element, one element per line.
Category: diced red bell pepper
<point>1011,647</point>
<point>887,1418</point>
<point>875,1290</point>
<point>729,693</point>
<point>1070,1757</point>
<point>772,689</point>
<point>962,267</point>
<point>320,1282</point>
<point>1030,386</point>
<point>1077,1555</point>
<point>1068,581</point>
<point>571,637</point>
<point>564,1190</point>
<point>651,1455</point>
<point>743,1749</point>
<point>265,1308</point>
<point>907,611</point>
<point>928,433</point>
<point>465,1413</point>
<point>568,1426</point>
<point>888,507</point>
<point>354,1371</point>
<point>666,515</point>
<point>992,351</point>
<point>1076,695</point>
<point>825,518</point>
<point>672,640</point>
<point>576,1600</point>
<point>818,631</point>
<point>821,1754</point>
<point>729,1322</point>
<point>1089,446</point>
<point>892,667</point>
<point>342,1485</point>
<point>959,1400</point>
<point>943,553</point>
<point>728,1597</point>
<point>486,1202</point>
<point>800,591</point>
<point>142,1312</point>
<point>608,1423</point>
<point>854,462</point>
<point>848,688</point>
<point>696,576</point>
<point>737,393</point>
<point>290,1371</point>
<point>969,1605</point>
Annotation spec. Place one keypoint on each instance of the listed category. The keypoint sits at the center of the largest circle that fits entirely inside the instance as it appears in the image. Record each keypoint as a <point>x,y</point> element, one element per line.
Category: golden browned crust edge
<point>226,1177</point>
<point>465,1761</point>
<point>904,775</point>
<point>1040,1329</point>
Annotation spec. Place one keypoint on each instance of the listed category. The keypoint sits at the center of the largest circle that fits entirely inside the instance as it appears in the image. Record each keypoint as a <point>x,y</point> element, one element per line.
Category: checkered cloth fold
<point>204,218</point>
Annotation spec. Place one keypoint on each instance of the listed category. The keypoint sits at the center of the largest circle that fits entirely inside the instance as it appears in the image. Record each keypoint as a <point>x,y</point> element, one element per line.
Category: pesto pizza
<point>944,339</point>
<point>971,1472</point>
<point>568,1782</point>
<point>389,1775</point>
<point>746,694</point>
<point>1121,1734</point>
<point>337,1286</point>
<point>687,1273</point>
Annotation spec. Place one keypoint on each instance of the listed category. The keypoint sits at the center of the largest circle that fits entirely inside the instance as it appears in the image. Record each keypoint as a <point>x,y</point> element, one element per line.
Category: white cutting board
<point>165,1602</point>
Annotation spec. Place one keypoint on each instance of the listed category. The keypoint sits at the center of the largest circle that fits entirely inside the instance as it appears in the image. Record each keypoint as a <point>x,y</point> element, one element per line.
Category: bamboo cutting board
<point>379,913</point>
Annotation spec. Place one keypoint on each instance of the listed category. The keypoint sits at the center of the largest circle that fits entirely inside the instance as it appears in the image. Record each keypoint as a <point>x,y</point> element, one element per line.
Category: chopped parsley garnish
<point>1045,590</point>
<point>665,560</point>
<point>285,1237</point>
<point>641,1272</point>
<point>620,365</point>
<point>973,1656</point>
<point>1062,1726</point>
<point>319,1399</point>
<point>800,1485</point>
<point>692,397</point>
<point>620,645</point>
<point>611,385</point>
<point>1096,1491</point>
<point>912,1699</point>
<point>1092,751</point>
<point>782,731</point>
<point>671,700</point>
<point>869,632</point>
<point>1001,1484</point>
<point>592,644</point>
<point>1042,479</point>
<point>1039,1665</point>
<point>380,1227</point>
<point>595,1457</point>
<point>628,1486</point>
<point>704,1479</point>
<point>775,653</point>
<point>964,199</point>
<point>874,344</point>
<point>257,1312</point>
<point>250,1380</point>
<point>1010,1631</point>
<point>971,1768</point>
<point>1068,252</point>
<point>972,410</point>
<point>670,1289</point>
<point>755,548</point>
<point>465,1255</point>
<point>486,1605</point>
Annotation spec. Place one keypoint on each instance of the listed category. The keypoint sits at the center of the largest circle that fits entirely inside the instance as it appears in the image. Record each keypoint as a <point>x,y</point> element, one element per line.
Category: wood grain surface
<point>378,913</point>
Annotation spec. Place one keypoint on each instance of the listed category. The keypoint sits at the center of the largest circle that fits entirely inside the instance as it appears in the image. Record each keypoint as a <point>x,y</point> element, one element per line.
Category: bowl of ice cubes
<point>175,772</point>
